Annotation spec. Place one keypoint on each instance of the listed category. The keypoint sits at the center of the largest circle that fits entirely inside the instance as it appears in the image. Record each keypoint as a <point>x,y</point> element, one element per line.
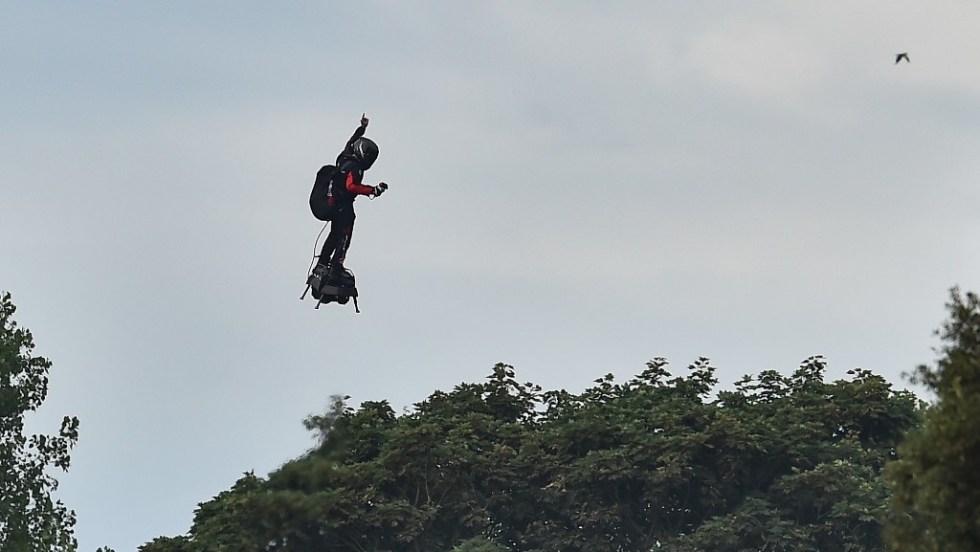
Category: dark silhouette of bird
<point>900,57</point>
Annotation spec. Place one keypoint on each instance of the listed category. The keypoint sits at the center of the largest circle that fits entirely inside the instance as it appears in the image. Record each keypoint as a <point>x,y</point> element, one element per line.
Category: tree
<point>936,501</point>
<point>30,520</point>
<point>167,544</point>
<point>779,463</point>
<point>478,544</point>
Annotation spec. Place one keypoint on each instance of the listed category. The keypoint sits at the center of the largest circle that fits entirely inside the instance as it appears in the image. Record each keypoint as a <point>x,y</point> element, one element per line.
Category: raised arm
<point>358,132</point>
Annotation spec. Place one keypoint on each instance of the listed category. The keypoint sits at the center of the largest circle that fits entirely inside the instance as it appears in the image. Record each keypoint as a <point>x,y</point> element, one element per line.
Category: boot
<point>339,276</point>
<point>321,270</point>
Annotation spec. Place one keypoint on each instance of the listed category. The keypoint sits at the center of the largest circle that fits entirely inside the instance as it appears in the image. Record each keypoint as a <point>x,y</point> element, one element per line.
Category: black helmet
<point>365,151</point>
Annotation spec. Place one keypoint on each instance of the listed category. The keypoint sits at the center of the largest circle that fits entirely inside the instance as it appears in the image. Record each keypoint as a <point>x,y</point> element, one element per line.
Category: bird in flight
<point>900,57</point>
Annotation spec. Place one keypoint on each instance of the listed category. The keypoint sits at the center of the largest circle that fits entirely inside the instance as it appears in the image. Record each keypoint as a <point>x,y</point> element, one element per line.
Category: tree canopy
<point>780,462</point>
<point>30,520</point>
<point>936,502</point>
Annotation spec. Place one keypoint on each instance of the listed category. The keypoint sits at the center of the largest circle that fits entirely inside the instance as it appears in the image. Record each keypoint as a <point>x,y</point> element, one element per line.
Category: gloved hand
<point>379,189</point>
<point>364,120</point>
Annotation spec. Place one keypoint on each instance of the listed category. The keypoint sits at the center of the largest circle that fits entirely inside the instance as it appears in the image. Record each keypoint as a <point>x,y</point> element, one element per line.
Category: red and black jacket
<point>348,181</point>
<point>339,184</point>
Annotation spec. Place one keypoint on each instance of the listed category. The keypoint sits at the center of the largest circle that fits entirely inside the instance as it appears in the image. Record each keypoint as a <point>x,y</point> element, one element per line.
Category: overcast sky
<point>576,188</point>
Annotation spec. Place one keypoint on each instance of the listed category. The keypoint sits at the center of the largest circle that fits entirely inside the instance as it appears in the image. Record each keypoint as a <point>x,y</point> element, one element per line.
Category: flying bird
<point>900,57</point>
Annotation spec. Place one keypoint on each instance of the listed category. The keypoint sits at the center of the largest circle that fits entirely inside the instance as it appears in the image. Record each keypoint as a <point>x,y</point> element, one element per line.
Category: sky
<point>576,189</point>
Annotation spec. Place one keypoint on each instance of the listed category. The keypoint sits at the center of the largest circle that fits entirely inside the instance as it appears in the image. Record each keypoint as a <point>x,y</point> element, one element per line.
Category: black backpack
<point>322,191</point>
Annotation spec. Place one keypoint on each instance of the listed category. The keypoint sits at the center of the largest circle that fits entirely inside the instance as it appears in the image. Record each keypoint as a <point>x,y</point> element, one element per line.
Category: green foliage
<point>167,544</point>
<point>29,519</point>
<point>777,463</point>
<point>478,544</point>
<point>936,501</point>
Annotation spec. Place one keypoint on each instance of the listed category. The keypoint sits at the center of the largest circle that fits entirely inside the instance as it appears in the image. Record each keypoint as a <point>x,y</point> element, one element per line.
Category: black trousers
<point>341,219</point>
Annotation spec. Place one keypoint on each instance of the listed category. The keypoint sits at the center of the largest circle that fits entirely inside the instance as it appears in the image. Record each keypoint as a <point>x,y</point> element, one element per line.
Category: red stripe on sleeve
<point>356,188</point>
